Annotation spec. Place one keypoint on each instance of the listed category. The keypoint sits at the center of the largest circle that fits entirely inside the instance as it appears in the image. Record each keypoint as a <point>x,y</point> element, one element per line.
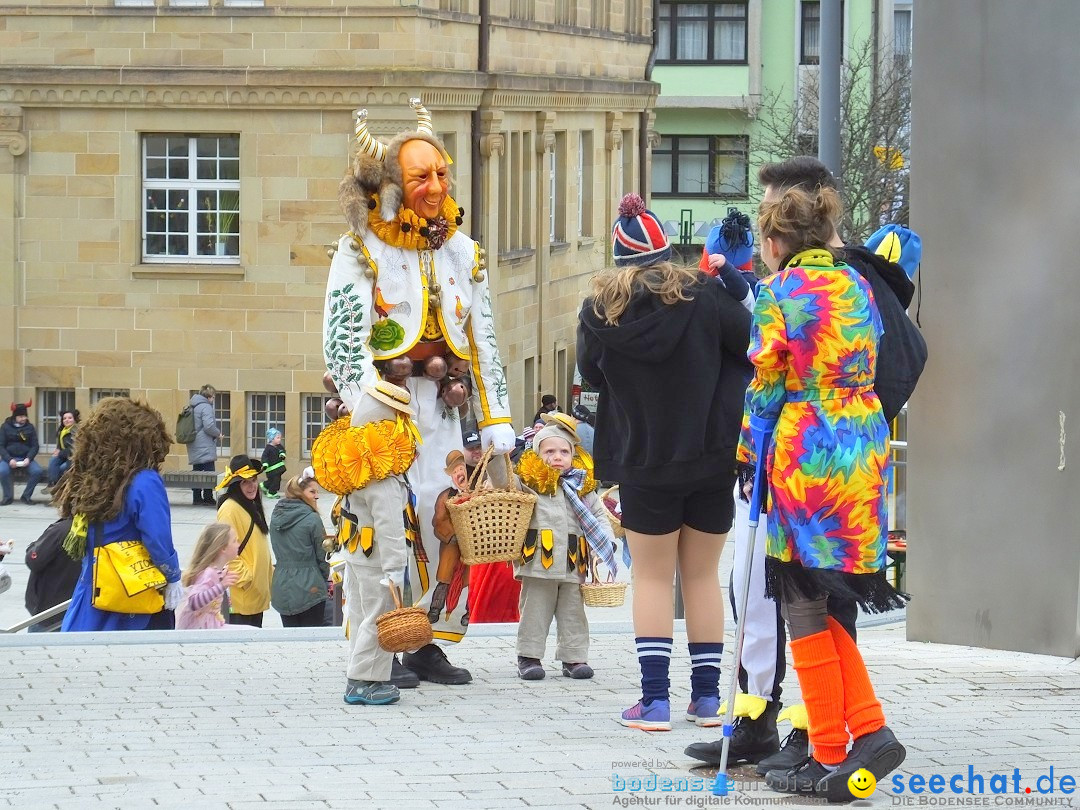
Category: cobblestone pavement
<point>261,723</point>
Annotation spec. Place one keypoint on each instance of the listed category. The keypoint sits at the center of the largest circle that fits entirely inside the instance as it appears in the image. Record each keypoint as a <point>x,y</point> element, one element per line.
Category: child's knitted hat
<point>556,426</point>
<point>271,434</point>
<point>734,239</point>
<point>638,237</point>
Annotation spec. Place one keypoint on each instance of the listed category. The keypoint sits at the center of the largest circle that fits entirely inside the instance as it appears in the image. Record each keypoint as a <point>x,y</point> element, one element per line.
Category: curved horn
<point>423,117</point>
<point>367,144</point>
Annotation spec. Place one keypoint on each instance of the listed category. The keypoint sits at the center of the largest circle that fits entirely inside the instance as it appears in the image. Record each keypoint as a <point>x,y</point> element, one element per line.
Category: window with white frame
<point>265,410</point>
<point>810,31</point>
<point>223,414</point>
<point>98,394</point>
<point>585,184</point>
<point>557,180</point>
<point>902,35</point>
<point>701,166</point>
<point>51,402</point>
<point>702,33</point>
<point>191,198</point>
<point>315,419</point>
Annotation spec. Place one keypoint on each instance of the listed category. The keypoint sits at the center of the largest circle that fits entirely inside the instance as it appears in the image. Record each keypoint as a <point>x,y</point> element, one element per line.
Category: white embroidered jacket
<point>377,300</point>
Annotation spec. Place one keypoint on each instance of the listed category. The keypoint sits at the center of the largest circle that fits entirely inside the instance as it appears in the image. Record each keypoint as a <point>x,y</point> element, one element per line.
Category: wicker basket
<point>604,594</point>
<point>403,629</point>
<point>491,523</point>
<point>616,526</point>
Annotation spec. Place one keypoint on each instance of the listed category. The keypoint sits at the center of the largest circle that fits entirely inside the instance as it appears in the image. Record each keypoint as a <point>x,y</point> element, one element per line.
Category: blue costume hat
<point>899,245</point>
<point>734,239</point>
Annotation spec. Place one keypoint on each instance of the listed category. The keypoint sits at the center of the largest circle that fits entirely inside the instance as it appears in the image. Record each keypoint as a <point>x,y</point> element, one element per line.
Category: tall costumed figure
<point>407,301</point>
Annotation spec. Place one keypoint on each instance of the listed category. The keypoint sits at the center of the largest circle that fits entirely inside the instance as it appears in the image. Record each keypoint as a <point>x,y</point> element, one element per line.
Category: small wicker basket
<point>491,523</point>
<point>403,629</point>
<point>602,594</point>
<point>613,519</point>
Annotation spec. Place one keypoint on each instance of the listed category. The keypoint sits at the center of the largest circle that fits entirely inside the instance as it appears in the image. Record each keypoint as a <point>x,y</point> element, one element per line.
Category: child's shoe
<point>704,711</point>
<point>654,717</point>
<point>579,671</point>
<point>530,669</point>
<point>371,693</point>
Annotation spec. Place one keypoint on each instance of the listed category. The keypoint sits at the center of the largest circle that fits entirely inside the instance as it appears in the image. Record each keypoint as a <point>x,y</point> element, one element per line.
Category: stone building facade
<point>169,173</point>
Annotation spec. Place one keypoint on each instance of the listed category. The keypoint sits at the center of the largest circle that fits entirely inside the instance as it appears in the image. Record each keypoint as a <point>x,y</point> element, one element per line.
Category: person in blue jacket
<point>114,492</point>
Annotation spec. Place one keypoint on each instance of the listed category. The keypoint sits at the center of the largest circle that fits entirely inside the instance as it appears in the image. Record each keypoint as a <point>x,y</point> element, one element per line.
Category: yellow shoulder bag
<point>126,579</point>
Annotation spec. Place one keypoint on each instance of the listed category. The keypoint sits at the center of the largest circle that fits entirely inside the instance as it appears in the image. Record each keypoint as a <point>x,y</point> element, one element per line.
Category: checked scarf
<point>597,535</point>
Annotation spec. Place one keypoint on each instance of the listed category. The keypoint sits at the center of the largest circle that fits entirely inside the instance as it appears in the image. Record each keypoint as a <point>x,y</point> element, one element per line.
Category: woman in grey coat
<point>299,591</point>
<point>202,451</point>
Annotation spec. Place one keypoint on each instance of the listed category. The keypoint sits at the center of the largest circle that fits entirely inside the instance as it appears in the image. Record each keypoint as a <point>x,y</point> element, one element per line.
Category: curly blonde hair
<point>118,439</point>
<point>800,218</point>
<point>613,287</point>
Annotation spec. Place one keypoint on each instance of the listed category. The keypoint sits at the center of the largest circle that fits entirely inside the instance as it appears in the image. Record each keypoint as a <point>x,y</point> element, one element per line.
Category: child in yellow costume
<point>367,465</point>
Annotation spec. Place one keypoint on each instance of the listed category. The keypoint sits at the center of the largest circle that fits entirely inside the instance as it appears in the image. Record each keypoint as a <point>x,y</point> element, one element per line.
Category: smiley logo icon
<point>861,783</point>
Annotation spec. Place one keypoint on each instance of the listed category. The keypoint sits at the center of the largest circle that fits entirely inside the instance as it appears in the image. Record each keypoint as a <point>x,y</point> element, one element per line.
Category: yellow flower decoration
<point>346,458</point>
<point>539,477</point>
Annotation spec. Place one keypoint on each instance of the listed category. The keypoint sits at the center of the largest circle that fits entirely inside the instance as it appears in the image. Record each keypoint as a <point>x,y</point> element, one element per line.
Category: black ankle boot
<point>402,677</point>
<point>794,752</point>
<point>878,752</point>
<point>430,664</point>
<point>751,740</point>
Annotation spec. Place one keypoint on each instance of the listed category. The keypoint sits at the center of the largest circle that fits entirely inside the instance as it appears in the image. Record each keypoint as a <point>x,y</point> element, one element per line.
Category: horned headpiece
<point>375,167</point>
<point>22,407</point>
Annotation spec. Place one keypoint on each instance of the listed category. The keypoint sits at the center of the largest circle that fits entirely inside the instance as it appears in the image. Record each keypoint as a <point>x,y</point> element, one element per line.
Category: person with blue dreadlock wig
<point>728,256</point>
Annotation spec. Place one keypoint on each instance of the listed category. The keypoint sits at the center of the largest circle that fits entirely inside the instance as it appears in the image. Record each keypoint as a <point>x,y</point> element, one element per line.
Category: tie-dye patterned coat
<point>814,347</point>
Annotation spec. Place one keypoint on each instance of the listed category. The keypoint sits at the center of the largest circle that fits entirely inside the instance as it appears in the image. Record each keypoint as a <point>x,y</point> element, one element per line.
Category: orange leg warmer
<point>818,666</point>
<point>862,709</point>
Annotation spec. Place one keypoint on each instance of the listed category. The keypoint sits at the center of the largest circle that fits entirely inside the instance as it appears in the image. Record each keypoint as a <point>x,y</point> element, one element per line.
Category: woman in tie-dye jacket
<point>814,348</point>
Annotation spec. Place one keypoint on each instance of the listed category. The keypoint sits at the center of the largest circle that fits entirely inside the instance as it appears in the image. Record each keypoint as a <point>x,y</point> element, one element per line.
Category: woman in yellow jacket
<point>241,507</point>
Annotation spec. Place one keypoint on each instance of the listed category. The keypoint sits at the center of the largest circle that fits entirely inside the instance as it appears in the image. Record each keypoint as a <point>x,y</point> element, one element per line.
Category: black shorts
<point>708,506</point>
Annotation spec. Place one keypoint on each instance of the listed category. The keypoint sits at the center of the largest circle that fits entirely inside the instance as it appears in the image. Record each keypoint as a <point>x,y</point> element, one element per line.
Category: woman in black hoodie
<point>666,349</point>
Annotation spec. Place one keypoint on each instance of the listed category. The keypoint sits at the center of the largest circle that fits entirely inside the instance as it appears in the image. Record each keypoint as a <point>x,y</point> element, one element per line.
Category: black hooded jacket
<point>671,383</point>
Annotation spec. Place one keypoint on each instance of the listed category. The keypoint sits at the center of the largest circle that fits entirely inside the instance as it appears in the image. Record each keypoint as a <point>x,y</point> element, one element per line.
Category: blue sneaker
<point>654,717</point>
<point>371,693</point>
<point>704,711</point>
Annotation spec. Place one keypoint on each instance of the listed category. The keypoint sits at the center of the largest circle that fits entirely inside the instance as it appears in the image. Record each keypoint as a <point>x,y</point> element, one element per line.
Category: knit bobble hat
<point>638,237</point>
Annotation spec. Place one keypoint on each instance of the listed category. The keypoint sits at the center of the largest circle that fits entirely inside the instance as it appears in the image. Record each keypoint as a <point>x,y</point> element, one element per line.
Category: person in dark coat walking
<point>202,451</point>
<point>665,347</point>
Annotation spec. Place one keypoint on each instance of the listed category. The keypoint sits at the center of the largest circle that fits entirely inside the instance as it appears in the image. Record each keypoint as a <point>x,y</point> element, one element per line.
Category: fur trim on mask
<point>354,203</point>
<point>368,172</point>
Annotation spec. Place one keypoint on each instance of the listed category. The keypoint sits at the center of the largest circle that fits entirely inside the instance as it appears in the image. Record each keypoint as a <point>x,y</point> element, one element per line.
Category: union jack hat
<point>638,238</point>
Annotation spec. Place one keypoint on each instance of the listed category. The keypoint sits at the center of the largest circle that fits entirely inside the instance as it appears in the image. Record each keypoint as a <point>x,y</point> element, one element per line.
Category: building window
<point>601,14</point>
<point>51,402</point>
<point>264,411</point>
<point>902,36</point>
<point>633,16</point>
<point>191,198</point>
<point>565,12</point>
<point>557,180</point>
<point>702,33</point>
<point>315,420</point>
<point>98,394</point>
<point>522,10</point>
<point>810,31</point>
<point>701,166</point>
<point>585,184</point>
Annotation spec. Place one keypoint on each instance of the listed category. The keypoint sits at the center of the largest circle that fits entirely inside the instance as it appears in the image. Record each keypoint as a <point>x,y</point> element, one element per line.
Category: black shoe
<point>401,676</point>
<point>579,671</point>
<point>879,752</point>
<point>751,740</point>
<point>530,669</point>
<point>7,502</point>
<point>805,780</point>
<point>794,751</point>
<point>27,501</point>
<point>430,664</point>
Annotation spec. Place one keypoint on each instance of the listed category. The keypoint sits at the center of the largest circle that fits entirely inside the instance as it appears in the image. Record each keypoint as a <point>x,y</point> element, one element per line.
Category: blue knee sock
<point>705,668</point>
<point>654,656</point>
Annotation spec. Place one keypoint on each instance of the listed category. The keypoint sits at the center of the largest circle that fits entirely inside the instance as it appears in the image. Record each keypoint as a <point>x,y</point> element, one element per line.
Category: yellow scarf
<point>347,458</point>
<point>540,477</point>
<point>404,230</point>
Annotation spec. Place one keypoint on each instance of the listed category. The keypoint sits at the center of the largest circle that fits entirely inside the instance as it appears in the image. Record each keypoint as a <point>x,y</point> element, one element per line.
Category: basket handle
<point>481,467</point>
<point>394,594</point>
<point>594,569</point>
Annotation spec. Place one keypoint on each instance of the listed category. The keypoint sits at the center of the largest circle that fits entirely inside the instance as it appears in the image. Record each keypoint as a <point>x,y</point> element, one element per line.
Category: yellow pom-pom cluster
<point>540,477</point>
<point>347,458</point>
